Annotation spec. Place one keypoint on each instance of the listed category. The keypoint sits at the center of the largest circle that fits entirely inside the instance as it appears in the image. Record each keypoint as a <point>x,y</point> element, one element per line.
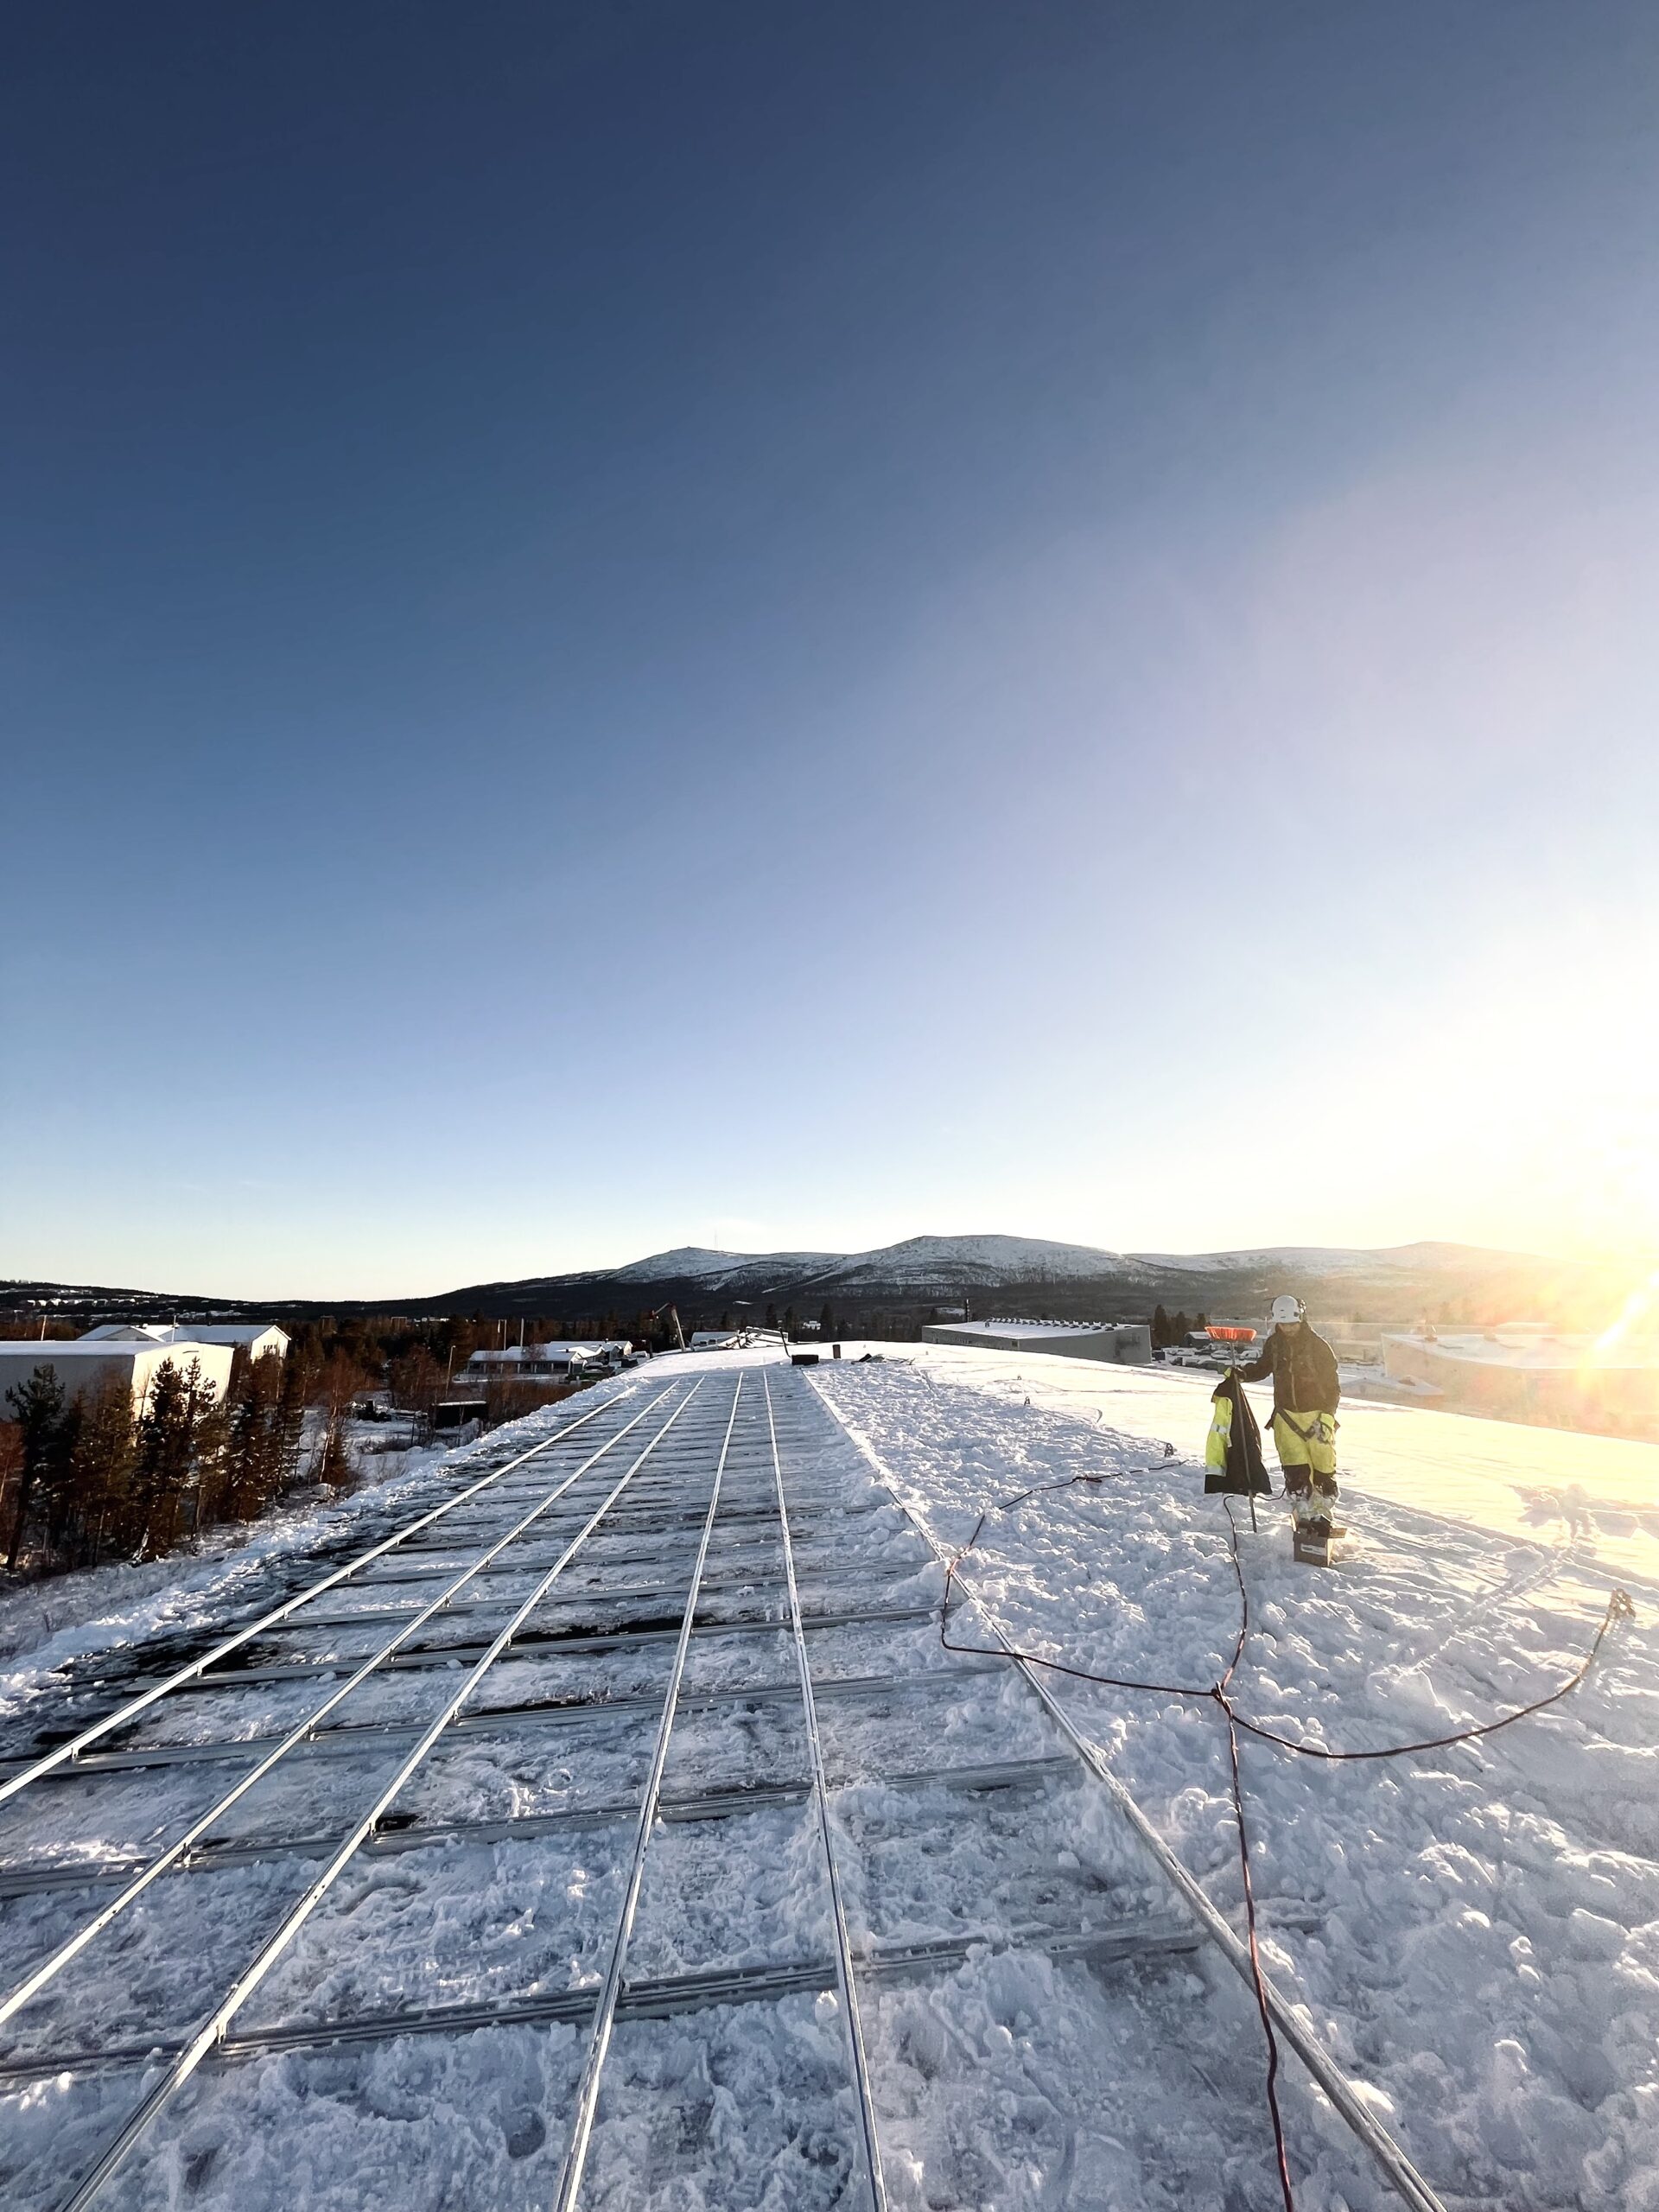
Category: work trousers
<point>1307,1453</point>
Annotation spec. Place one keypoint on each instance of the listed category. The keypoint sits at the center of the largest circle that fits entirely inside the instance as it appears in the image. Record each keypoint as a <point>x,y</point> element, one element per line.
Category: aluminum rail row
<point>345,1738</point>
<point>637,1594</point>
<point>1152,1935</point>
<point>581,2124</point>
<point>1391,2160</point>
<point>666,1524</point>
<point>63,1753</point>
<point>50,1968</point>
<point>757,1549</point>
<point>211,2032</point>
<point>513,1828</point>
<point>541,1644</point>
<point>873,2173</point>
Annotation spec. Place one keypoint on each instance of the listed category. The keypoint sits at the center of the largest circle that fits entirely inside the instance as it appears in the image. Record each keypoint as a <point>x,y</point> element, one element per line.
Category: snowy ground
<point>1477,1930</point>
<point>1476,1933</point>
<point>1598,1493</point>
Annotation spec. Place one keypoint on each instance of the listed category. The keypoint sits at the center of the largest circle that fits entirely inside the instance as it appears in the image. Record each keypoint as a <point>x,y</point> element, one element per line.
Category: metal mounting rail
<point>1153,1935</point>
<point>345,1737</point>
<point>629,1594</point>
<point>755,1547</point>
<point>50,1968</point>
<point>212,2029</point>
<point>599,2042</point>
<point>821,1798</point>
<point>713,1804</point>
<point>66,1751</point>
<point>541,1643</point>
<point>675,1524</point>
<point>1391,2160</point>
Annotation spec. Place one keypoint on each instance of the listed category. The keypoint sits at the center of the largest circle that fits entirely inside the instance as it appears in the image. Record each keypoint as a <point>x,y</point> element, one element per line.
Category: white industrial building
<point>89,1364</point>
<point>1127,1343</point>
<point>255,1338</point>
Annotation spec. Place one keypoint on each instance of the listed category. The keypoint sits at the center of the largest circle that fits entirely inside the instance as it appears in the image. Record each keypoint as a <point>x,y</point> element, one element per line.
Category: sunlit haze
<point>786,628</point>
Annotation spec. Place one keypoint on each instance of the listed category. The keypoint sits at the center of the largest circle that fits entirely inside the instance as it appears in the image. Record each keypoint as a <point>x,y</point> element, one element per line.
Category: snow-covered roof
<point>50,1348</point>
<point>1016,1328</point>
<point>231,1332</point>
<point>183,1332</point>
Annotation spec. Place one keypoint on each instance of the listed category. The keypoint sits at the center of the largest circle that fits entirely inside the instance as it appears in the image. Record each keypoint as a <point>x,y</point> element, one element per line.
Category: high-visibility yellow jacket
<point>1233,1462</point>
<point>1221,1427</point>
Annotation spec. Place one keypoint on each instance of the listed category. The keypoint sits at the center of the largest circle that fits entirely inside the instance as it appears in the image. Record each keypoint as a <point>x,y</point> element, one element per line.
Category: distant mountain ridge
<point>1044,1276</point>
<point>1028,1273</point>
<point>936,1261</point>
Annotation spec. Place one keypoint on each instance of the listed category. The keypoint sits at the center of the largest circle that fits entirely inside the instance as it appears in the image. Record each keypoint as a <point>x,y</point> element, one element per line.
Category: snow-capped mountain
<point>696,1264</point>
<point>924,1262</point>
<point>917,1264</point>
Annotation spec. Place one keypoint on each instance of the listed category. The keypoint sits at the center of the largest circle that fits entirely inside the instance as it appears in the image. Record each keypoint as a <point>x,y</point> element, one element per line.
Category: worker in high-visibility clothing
<point>1306,1394</point>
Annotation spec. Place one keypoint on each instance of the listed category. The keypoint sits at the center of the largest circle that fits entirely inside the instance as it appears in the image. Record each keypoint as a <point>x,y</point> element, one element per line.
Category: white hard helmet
<point>1286,1307</point>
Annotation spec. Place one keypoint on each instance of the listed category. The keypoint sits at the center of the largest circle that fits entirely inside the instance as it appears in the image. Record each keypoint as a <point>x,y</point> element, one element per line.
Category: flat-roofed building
<point>88,1366</point>
<point>255,1338</point>
<point>1127,1343</point>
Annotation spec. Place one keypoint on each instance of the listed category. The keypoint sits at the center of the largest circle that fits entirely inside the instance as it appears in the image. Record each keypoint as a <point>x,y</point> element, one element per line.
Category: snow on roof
<point>230,1332</point>
<point>50,1348</point>
<point>1015,1328</point>
<point>182,1333</point>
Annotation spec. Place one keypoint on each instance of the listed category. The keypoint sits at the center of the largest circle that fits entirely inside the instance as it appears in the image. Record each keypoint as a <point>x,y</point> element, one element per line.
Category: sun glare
<point>1637,1325</point>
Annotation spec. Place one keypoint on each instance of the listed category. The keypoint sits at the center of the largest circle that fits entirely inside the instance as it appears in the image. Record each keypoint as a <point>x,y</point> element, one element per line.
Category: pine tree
<point>287,1429</point>
<point>93,1496</point>
<point>1162,1334</point>
<point>163,1458</point>
<point>826,1321</point>
<point>37,1408</point>
<point>252,1453</point>
<point>209,1448</point>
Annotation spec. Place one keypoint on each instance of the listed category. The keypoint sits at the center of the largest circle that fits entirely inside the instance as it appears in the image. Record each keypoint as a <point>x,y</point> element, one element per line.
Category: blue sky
<point>771,626</point>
